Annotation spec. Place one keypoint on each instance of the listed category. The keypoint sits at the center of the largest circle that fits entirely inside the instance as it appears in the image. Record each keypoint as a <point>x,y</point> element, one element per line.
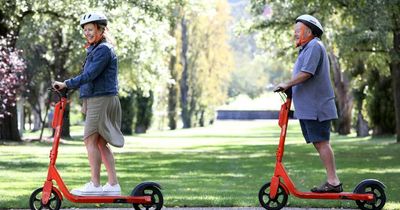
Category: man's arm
<point>299,78</point>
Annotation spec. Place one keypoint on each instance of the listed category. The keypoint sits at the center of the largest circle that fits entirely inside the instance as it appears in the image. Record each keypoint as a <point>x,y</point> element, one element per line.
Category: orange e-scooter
<point>369,194</point>
<point>146,195</point>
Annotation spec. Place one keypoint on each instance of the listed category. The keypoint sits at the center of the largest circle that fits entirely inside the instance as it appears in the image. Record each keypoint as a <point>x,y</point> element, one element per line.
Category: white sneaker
<point>89,189</point>
<point>110,190</point>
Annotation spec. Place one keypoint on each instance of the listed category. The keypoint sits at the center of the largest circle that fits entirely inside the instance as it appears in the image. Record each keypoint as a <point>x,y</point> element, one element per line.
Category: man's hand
<point>299,78</point>
<point>281,87</point>
<point>59,85</point>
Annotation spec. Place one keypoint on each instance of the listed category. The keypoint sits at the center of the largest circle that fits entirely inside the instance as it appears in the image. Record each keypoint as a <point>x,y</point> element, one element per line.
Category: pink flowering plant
<point>12,68</point>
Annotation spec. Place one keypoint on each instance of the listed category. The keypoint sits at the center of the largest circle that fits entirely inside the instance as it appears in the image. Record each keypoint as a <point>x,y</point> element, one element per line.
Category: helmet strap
<point>304,40</point>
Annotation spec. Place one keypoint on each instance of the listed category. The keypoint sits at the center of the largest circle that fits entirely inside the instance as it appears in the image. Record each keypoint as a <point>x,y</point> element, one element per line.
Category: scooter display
<point>146,195</point>
<point>369,194</point>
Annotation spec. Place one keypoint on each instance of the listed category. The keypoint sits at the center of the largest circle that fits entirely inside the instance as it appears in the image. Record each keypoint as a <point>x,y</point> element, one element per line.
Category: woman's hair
<point>106,33</point>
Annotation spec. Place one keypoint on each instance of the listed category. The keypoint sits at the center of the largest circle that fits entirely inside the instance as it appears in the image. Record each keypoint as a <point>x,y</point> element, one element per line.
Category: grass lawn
<point>221,165</point>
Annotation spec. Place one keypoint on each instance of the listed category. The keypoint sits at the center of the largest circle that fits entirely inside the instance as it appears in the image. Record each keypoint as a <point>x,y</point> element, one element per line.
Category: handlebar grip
<point>288,91</point>
<point>278,90</point>
<point>60,92</point>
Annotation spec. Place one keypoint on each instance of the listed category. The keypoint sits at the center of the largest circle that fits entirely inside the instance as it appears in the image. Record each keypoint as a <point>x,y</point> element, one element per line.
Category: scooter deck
<point>110,199</point>
<point>342,195</point>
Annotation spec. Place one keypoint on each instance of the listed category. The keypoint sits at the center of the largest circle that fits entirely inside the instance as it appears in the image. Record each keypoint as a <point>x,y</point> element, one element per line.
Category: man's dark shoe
<point>328,188</point>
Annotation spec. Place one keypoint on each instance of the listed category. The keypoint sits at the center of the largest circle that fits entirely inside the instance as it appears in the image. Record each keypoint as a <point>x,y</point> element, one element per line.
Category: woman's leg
<point>94,157</point>
<point>108,160</point>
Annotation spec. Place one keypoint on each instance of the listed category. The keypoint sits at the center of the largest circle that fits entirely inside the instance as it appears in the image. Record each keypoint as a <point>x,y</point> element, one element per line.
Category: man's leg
<point>328,159</point>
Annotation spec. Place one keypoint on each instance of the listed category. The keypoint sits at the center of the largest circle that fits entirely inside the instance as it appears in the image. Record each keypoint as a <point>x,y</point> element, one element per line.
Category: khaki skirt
<point>103,116</point>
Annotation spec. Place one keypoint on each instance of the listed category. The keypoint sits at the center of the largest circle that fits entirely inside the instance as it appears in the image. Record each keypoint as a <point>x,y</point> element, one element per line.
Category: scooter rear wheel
<point>35,201</point>
<point>379,197</point>
<point>267,202</point>
<point>157,199</point>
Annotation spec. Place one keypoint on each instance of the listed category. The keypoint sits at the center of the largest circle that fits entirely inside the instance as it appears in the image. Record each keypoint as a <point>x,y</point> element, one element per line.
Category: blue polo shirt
<point>314,99</point>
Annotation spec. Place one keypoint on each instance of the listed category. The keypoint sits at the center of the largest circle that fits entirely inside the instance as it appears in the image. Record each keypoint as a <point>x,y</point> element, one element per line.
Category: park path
<point>220,208</point>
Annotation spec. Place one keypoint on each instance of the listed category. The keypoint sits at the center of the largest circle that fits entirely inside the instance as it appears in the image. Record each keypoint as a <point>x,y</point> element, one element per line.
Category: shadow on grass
<point>210,175</point>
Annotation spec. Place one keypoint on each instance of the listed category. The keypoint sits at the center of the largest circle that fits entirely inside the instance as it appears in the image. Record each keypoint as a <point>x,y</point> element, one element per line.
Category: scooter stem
<point>57,125</point>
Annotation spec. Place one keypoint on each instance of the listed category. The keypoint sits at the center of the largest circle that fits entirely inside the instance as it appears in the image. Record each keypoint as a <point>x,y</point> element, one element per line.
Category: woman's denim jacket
<point>100,71</point>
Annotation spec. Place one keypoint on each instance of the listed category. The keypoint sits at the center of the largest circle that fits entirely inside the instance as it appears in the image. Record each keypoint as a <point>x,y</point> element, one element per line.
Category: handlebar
<point>61,93</point>
<point>288,92</point>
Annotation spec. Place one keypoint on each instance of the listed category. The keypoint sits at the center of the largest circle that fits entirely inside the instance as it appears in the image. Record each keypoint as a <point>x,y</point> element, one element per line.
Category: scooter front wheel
<point>157,199</point>
<point>267,202</point>
<point>35,201</point>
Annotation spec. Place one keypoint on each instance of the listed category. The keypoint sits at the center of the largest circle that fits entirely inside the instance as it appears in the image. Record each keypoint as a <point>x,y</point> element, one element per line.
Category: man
<point>313,96</point>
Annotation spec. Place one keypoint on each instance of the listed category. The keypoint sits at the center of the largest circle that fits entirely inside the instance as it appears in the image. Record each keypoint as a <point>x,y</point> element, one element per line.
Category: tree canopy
<point>362,38</point>
<point>177,57</point>
<point>49,35</point>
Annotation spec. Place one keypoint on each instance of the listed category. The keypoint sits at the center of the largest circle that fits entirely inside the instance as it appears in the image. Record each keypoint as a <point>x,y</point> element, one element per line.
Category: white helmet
<point>96,17</point>
<point>312,23</point>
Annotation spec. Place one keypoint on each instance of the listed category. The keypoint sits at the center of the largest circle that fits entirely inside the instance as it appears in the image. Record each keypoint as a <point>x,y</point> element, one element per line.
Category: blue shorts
<point>315,131</point>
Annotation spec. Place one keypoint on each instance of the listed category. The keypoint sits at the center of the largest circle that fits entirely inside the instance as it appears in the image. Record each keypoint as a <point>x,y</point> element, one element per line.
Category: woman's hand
<point>59,85</point>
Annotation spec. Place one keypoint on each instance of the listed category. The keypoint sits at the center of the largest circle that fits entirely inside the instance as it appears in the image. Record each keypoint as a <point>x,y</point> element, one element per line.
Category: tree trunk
<point>9,125</point>
<point>184,87</point>
<point>362,126</point>
<point>202,120</point>
<point>173,97</point>
<point>173,88</point>
<point>28,114</point>
<point>193,116</point>
<point>21,117</point>
<point>343,96</point>
<point>36,119</point>
<point>144,115</point>
<point>43,122</point>
<point>395,72</point>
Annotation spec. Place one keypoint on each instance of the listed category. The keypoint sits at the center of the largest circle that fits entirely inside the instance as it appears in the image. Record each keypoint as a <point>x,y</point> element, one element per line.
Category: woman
<point>98,86</point>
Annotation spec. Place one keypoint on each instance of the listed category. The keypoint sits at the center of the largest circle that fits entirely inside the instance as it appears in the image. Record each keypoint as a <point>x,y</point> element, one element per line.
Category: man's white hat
<point>312,23</point>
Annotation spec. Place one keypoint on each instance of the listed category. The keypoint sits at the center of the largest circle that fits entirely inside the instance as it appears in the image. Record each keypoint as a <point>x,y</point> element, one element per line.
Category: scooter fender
<point>368,182</point>
<point>138,191</point>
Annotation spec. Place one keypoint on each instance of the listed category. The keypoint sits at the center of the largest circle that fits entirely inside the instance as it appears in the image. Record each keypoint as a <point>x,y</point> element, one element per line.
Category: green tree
<point>144,109</point>
<point>349,34</point>
<point>12,78</point>
<point>51,39</point>
<point>380,103</point>
<point>377,42</point>
<point>128,105</point>
<point>143,45</point>
<point>206,61</point>
<point>11,16</point>
<point>174,11</point>
<point>256,68</point>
